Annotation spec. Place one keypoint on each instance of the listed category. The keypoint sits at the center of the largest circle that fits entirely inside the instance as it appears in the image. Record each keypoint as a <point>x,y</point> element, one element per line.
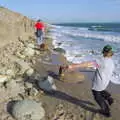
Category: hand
<point>93,64</point>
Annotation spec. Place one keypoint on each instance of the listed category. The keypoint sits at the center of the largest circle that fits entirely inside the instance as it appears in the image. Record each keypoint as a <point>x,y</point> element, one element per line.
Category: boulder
<point>30,45</point>
<point>24,66</point>
<point>37,76</point>
<point>37,52</point>
<point>29,52</point>
<point>11,90</point>
<point>28,85</point>
<point>59,50</point>
<point>14,88</point>
<point>47,84</point>
<point>29,72</point>
<point>28,110</point>
<point>19,55</point>
<point>3,78</point>
<point>33,91</point>
<point>10,72</point>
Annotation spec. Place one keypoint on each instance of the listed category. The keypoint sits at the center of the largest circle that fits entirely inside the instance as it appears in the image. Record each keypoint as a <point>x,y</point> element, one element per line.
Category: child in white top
<point>102,78</point>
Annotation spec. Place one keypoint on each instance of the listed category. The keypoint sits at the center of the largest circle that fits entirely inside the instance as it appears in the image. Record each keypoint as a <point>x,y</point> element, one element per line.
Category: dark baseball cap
<point>107,48</point>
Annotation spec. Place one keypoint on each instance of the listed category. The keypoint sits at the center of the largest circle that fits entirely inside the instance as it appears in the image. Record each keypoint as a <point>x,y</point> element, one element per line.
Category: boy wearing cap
<point>102,79</point>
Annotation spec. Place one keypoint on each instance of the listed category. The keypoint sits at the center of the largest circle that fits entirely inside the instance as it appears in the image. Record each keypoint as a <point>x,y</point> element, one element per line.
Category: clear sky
<point>67,10</point>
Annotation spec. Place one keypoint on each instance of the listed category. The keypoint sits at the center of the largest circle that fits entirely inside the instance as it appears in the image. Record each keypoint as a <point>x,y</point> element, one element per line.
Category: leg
<point>38,41</point>
<point>42,38</point>
<point>61,70</point>
<point>107,96</point>
<point>101,102</point>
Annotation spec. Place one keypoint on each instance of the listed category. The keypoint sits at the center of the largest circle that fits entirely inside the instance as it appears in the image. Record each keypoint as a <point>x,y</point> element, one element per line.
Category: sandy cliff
<point>14,25</point>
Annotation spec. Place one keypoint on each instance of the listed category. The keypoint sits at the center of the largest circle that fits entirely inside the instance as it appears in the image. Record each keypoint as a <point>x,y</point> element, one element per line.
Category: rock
<point>30,45</point>
<point>11,84</point>
<point>29,72</point>
<point>33,61</point>
<point>28,85</point>
<point>11,90</point>
<point>47,84</point>
<point>3,70</point>
<point>33,92</point>
<point>28,110</point>
<point>60,50</point>
<point>89,115</point>
<point>37,52</point>
<point>100,117</point>
<point>3,78</point>
<point>19,55</point>
<point>82,115</point>
<point>23,66</point>
<point>29,52</point>
<point>19,79</point>
<point>37,76</point>
<point>14,88</point>
<point>58,59</point>
<point>10,72</point>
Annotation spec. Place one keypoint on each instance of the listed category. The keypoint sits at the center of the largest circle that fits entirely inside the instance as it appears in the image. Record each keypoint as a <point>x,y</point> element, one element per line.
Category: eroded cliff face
<point>13,26</point>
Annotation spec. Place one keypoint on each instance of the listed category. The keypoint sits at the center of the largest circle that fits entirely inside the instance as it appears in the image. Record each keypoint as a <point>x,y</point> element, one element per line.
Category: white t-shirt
<point>104,76</point>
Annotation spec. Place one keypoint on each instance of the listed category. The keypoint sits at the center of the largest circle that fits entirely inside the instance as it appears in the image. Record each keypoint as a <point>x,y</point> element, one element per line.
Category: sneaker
<point>110,101</point>
<point>105,113</point>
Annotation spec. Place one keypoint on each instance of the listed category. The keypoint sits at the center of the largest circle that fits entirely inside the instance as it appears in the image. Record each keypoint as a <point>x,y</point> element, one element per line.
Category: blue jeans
<point>40,40</point>
<point>39,36</point>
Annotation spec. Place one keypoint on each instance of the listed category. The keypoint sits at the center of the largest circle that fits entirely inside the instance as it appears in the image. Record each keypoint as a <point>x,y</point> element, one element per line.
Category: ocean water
<point>84,41</point>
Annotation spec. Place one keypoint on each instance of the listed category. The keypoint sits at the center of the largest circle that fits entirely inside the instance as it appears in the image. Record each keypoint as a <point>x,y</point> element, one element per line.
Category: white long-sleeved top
<point>105,74</point>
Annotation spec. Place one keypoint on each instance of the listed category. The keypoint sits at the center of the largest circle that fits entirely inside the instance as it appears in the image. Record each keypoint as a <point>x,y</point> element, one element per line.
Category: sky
<point>56,11</point>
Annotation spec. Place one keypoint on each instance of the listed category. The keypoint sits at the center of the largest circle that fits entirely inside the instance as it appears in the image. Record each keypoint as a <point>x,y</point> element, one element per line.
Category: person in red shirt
<point>39,26</point>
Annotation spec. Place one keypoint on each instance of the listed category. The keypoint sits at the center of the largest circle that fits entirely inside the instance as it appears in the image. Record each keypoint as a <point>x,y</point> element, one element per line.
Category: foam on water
<point>93,34</point>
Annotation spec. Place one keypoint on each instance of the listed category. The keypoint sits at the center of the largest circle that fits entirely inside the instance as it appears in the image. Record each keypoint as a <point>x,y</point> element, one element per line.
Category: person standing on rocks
<point>40,28</point>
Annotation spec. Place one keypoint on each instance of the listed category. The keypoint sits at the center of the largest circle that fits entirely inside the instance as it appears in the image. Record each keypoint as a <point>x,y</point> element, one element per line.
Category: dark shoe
<point>110,101</point>
<point>105,113</point>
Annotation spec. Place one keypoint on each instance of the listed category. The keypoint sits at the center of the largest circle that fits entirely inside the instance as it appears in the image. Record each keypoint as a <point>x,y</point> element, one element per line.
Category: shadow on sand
<point>87,105</point>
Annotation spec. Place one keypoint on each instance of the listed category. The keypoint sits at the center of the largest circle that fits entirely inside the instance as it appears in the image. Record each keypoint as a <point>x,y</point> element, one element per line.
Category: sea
<point>85,41</point>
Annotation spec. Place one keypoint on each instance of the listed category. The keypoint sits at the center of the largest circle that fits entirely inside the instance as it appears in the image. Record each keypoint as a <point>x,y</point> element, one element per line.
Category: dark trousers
<point>102,98</point>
